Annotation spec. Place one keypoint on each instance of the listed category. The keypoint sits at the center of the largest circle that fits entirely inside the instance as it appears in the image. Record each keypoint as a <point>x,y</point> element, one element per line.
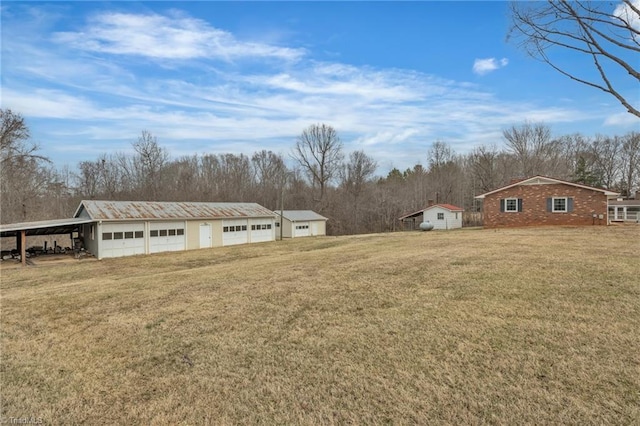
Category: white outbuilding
<point>125,228</point>
<point>441,216</point>
<point>300,223</point>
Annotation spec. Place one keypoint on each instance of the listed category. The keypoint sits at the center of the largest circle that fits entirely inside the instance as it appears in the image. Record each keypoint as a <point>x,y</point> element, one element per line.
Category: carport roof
<point>43,227</point>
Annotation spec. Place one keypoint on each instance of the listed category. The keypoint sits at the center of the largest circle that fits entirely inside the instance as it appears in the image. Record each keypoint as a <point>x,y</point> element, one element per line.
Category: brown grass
<point>523,326</point>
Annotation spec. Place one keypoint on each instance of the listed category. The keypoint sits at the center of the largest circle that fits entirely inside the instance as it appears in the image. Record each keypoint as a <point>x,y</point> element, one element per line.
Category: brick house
<point>541,200</point>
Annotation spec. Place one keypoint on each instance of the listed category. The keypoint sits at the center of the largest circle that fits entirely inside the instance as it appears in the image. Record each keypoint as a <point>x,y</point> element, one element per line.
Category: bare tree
<point>24,175</point>
<point>148,163</point>
<point>630,161</point>
<point>607,34</point>
<point>532,146</point>
<point>355,175</point>
<point>270,173</point>
<point>319,152</point>
<point>606,155</point>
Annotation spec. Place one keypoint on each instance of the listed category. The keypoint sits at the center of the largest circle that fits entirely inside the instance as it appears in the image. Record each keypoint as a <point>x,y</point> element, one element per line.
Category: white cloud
<point>628,15</point>
<point>84,104</point>
<point>167,37</point>
<point>621,119</point>
<point>485,66</point>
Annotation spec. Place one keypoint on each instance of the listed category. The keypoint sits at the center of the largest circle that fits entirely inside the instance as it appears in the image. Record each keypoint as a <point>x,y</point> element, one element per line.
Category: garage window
<point>153,233</point>
<point>269,226</point>
<point>225,229</point>
<point>172,232</point>
<point>117,235</point>
<point>244,227</point>
<point>139,234</point>
<point>107,236</point>
<point>163,232</point>
<point>180,231</point>
<point>128,235</point>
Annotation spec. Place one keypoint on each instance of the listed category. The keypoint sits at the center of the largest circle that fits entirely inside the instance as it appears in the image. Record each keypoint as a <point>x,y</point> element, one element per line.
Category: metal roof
<point>43,227</point>
<point>539,179</point>
<point>157,210</point>
<point>300,215</point>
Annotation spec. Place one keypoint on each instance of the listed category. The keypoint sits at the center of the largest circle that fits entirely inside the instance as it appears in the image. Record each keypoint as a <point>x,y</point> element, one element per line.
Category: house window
<point>559,205</point>
<point>440,216</point>
<point>277,224</point>
<point>511,205</point>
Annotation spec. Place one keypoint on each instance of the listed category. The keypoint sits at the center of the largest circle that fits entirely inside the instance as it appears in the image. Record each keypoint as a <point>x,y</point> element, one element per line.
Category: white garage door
<point>166,236</point>
<point>262,231</point>
<point>234,232</point>
<point>301,229</point>
<point>122,239</point>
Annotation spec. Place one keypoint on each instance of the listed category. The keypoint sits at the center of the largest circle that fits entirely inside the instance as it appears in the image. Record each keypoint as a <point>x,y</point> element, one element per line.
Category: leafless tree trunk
<point>630,159</point>
<point>318,150</point>
<point>606,33</point>
<point>355,175</point>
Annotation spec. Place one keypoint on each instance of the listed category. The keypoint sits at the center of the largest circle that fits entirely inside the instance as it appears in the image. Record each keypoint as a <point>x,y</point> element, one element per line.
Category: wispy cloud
<point>173,36</point>
<point>485,66</point>
<point>97,102</point>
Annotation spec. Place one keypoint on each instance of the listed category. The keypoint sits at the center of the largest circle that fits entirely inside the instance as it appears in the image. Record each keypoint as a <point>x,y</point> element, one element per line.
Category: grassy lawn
<point>522,326</point>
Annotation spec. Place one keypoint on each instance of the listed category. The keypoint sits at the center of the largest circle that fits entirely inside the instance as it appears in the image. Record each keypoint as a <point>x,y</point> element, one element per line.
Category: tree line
<point>317,174</point>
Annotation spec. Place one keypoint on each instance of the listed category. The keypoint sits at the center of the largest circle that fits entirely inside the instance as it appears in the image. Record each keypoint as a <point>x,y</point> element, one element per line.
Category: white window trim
<point>553,204</point>
<point>506,204</point>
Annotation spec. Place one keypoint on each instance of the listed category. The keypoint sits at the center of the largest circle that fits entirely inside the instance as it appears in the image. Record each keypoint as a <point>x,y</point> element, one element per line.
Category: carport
<point>45,227</point>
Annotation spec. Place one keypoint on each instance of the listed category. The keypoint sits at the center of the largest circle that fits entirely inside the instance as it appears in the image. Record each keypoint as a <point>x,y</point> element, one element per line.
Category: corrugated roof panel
<point>151,210</point>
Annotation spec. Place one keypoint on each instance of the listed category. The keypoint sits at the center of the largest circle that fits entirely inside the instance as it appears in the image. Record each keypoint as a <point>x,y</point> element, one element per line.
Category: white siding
<point>447,220</point>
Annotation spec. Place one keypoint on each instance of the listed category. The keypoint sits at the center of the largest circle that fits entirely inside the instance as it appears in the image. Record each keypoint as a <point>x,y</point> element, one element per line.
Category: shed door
<point>122,239</point>
<point>166,236</point>
<point>313,227</point>
<point>205,235</point>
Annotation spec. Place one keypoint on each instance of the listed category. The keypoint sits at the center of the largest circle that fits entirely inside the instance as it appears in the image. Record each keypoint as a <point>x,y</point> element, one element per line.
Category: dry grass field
<point>519,326</point>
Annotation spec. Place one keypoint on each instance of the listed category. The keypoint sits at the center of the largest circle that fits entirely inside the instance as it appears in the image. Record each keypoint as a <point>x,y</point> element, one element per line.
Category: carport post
<point>23,247</point>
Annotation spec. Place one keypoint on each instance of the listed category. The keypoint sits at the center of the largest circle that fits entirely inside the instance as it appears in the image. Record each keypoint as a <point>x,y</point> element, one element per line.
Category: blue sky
<point>217,77</point>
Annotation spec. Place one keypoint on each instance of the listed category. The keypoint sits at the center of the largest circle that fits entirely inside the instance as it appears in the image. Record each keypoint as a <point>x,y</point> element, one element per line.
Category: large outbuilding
<point>441,216</point>
<point>301,223</point>
<point>125,228</point>
<point>543,200</point>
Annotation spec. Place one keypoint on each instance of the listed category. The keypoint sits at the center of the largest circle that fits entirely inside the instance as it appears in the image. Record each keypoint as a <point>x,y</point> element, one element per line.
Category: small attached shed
<point>441,216</point>
<point>301,223</point>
